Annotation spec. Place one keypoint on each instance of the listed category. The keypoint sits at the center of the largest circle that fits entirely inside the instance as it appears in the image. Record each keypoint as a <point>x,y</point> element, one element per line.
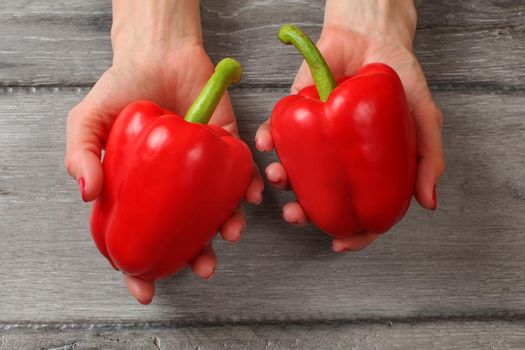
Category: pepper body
<point>168,186</point>
<point>351,160</point>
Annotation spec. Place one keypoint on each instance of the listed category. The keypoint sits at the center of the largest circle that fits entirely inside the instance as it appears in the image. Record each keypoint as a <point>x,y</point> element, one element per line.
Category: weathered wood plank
<point>470,335</point>
<point>466,15</point>
<point>67,43</point>
<point>447,13</point>
<point>467,258</point>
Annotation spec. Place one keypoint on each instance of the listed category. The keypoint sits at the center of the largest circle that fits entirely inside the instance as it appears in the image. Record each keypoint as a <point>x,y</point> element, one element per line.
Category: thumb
<point>331,55</point>
<point>304,76</point>
<point>224,116</point>
<point>302,79</point>
<point>86,133</point>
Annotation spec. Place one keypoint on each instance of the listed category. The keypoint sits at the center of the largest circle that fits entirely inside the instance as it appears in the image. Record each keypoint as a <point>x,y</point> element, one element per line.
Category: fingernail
<point>236,241</point>
<point>434,199</point>
<point>259,201</point>
<point>82,184</point>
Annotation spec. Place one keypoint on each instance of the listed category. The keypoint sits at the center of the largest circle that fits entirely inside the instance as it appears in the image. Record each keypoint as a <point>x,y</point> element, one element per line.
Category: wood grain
<point>450,279</point>
<point>444,335</point>
<point>465,259</point>
<point>468,43</point>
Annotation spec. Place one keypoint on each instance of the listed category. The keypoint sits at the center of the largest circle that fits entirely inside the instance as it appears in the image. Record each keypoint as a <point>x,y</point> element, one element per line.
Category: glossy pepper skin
<point>169,184</point>
<point>351,160</point>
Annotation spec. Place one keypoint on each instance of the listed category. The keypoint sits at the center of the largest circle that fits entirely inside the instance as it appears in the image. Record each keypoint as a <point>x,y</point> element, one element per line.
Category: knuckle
<point>73,114</point>
<point>70,160</point>
<point>68,163</point>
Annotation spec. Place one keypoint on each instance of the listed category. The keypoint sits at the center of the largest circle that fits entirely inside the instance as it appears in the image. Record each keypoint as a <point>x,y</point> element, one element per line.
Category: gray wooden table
<point>450,279</point>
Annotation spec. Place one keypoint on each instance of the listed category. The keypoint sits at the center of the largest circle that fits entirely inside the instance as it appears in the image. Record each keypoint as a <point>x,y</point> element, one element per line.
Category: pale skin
<point>158,56</point>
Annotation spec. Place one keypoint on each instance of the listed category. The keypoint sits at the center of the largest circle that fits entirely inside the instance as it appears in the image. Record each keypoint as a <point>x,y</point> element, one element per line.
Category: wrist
<point>155,25</point>
<point>378,19</point>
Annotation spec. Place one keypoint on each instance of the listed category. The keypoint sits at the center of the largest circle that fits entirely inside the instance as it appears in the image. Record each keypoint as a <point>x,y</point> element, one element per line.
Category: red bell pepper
<point>349,148</point>
<point>169,182</point>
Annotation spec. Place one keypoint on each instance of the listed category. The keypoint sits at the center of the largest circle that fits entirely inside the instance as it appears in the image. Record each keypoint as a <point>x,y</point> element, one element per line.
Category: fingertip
<point>232,229</point>
<point>254,191</point>
<point>276,175</point>
<point>93,176</point>
<point>428,173</point>
<point>142,290</point>
<point>338,246</point>
<point>263,138</point>
<point>86,167</point>
<point>293,213</point>
<point>205,264</point>
<point>353,243</point>
<point>254,197</point>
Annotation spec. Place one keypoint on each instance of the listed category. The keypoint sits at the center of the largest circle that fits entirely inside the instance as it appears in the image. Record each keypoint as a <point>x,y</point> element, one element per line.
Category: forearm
<point>386,18</point>
<point>155,23</point>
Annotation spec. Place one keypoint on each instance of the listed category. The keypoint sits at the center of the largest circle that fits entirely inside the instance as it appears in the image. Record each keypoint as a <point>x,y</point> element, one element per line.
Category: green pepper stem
<point>290,34</point>
<point>227,72</point>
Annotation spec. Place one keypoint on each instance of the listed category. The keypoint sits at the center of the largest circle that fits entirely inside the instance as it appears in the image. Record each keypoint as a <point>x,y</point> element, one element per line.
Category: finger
<point>232,229</point>
<point>431,164</point>
<point>142,290</point>
<point>86,130</point>
<point>353,243</point>
<point>254,191</point>
<point>204,265</point>
<point>263,137</point>
<point>294,214</point>
<point>277,176</point>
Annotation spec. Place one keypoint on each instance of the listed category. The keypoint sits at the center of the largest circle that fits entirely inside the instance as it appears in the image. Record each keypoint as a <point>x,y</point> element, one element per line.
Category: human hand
<point>356,33</point>
<point>168,67</point>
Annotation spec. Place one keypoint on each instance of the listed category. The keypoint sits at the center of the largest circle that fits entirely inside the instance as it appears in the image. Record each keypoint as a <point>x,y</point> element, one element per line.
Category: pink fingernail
<point>259,201</point>
<point>434,199</point>
<point>82,184</point>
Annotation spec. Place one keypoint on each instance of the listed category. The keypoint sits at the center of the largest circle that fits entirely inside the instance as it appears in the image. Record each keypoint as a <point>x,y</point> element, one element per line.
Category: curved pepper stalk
<point>290,34</point>
<point>227,72</point>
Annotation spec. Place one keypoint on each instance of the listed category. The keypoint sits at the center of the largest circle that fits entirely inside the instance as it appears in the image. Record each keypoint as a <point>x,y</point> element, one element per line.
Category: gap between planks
<point>139,324</point>
<point>473,88</point>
